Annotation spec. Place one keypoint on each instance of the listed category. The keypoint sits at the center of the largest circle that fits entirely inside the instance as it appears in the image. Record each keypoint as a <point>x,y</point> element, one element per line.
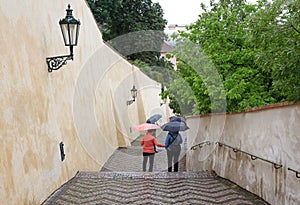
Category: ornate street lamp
<point>133,92</point>
<point>70,30</point>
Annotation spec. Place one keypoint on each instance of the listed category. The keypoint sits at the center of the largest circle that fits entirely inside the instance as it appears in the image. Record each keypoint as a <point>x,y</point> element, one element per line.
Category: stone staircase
<point>121,182</point>
<point>150,188</point>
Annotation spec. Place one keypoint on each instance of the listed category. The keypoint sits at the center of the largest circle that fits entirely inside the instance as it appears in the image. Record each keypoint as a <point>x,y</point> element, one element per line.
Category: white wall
<point>272,134</point>
<point>82,105</point>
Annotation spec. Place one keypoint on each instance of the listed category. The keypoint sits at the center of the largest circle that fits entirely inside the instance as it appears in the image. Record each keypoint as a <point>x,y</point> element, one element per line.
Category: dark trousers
<point>173,157</point>
<point>145,160</point>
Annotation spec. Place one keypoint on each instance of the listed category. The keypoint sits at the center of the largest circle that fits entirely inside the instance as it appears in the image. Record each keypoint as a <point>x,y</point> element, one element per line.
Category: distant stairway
<point>130,159</point>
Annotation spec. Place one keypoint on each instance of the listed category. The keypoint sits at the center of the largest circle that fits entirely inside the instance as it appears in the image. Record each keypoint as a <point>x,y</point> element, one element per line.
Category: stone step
<point>150,188</point>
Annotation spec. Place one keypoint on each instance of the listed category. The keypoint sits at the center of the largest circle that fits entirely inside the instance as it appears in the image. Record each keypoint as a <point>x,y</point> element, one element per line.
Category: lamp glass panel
<point>77,34</point>
<point>72,34</point>
<point>64,30</point>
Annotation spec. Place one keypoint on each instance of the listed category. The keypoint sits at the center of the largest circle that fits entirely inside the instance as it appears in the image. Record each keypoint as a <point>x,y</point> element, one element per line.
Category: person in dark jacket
<point>148,142</point>
<point>173,146</point>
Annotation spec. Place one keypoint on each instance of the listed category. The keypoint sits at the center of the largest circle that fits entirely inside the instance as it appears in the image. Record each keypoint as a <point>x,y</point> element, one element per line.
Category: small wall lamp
<point>133,92</point>
<point>163,102</point>
<point>70,30</point>
<point>62,151</point>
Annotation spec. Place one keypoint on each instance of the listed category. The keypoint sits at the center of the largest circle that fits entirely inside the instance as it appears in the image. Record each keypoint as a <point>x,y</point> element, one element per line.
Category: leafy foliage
<point>236,56</point>
<point>118,17</point>
<point>198,88</point>
<point>278,40</point>
<point>254,48</point>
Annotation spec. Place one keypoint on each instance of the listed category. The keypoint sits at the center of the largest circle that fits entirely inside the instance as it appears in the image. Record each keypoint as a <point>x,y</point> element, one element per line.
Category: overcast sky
<point>182,11</point>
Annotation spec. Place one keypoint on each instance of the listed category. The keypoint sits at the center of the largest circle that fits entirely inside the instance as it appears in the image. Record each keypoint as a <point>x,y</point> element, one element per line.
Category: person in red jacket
<point>148,142</point>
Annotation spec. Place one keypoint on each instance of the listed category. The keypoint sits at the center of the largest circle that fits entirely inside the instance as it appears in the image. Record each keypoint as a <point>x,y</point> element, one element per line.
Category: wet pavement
<point>130,159</point>
<point>121,181</point>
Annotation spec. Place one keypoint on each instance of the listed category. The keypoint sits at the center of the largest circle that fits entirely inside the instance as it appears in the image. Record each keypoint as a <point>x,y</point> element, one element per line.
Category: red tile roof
<point>166,48</point>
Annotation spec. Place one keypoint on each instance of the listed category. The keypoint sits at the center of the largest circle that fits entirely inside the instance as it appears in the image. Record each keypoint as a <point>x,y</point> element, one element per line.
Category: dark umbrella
<point>154,118</point>
<point>175,126</point>
<point>177,118</point>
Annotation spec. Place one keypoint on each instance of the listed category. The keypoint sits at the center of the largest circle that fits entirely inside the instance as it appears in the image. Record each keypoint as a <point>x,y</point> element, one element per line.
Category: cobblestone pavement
<point>122,182</point>
<point>130,159</point>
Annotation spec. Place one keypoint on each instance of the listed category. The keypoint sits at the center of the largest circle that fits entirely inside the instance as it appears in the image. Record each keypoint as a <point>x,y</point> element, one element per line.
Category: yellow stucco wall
<point>272,134</point>
<point>82,105</point>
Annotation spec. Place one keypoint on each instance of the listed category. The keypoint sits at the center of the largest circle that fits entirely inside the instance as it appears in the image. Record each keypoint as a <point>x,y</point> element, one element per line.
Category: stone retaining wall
<point>83,104</point>
<point>271,132</point>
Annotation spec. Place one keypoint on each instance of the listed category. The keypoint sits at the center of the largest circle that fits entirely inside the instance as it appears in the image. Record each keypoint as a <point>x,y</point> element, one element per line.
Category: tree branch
<point>237,44</point>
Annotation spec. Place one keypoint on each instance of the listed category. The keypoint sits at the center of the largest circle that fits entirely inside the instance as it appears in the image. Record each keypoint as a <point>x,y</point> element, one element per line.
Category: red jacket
<point>148,142</point>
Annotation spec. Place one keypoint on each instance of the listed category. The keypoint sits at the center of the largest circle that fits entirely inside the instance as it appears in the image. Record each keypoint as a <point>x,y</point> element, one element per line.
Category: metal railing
<point>253,157</point>
<point>200,145</point>
<point>297,173</point>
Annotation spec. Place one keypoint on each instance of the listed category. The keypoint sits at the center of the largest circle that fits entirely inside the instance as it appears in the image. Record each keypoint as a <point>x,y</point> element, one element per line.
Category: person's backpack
<point>174,141</point>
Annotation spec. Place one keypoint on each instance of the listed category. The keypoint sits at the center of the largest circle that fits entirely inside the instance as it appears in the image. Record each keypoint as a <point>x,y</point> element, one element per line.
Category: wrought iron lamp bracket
<point>129,102</point>
<point>133,95</point>
<point>70,31</point>
<point>55,63</point>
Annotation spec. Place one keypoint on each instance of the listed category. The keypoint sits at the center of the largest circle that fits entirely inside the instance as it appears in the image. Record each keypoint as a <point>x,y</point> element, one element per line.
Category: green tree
<point>254,48</point>
<point>118,17</point>
<point>196,86</point>
<point>223,34</point>
<point>276,32</point>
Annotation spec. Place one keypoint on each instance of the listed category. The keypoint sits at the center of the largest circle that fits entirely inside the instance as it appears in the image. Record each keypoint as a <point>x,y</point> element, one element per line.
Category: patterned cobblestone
<point>130,159</point>
<point>150,188</point>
